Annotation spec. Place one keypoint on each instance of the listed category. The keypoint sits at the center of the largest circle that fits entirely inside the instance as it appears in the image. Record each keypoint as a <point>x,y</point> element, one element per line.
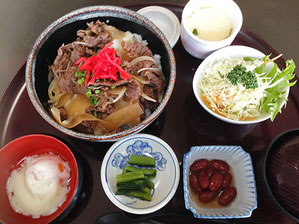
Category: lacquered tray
<point>183,124</point>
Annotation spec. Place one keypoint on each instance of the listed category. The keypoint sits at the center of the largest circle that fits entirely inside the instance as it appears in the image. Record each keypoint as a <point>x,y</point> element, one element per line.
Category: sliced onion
<point>51,88</point>
<point>66,122</point>
<point>64,70</point>
<point>54,71</point>
<point>94,87</point>
<point>56,114</point>
<point>82,43</point>
<point>148,98</point>
<point>59,55</point>
<point>124,116</point>
<point>55,100</point>
<point>115,91</point>
<point>141,58</point>
<point>151,69</point>
<point>161,97</point>
<point>120,95</point>
<point>141,80</point>
<point>77,114</point>
<point>54,93</point>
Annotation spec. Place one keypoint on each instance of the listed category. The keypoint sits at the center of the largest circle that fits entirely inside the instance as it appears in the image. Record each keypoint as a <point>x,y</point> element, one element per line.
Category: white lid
<point>165,20</point>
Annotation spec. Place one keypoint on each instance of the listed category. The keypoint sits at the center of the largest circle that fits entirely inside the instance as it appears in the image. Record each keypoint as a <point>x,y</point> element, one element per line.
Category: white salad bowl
<point>243,179</point>
<point>234,51</point>
<point>166,180</point>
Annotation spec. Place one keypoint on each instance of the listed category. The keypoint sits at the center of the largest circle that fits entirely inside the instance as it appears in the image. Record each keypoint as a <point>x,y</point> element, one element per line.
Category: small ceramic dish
<point>243,180</point>
<point>166,180</point>
<point>12,156</point>
<point>165,20</point>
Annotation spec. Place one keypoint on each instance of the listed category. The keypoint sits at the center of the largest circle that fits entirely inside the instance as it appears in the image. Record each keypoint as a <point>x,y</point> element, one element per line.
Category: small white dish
<point>166,180</point>
<point>165,20</point>
<point>202,48</point>
<point>235,51</point>
<point>243,178</point>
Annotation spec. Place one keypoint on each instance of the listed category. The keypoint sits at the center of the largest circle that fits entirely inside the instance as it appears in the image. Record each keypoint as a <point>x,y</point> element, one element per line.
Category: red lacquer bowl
<point>12,153</point>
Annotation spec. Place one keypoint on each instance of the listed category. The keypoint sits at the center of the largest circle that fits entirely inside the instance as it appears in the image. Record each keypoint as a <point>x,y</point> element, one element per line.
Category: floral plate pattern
<point>166,180</point>
<point>141,148</point>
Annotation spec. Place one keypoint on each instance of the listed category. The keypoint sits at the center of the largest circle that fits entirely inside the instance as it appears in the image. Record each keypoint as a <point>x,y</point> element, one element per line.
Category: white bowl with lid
<point>165,20</point>
<point>201,48</point>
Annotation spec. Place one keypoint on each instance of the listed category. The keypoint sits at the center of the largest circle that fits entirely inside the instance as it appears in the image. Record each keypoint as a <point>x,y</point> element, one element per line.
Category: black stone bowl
<point>64,30</point>
<point>281,173</point>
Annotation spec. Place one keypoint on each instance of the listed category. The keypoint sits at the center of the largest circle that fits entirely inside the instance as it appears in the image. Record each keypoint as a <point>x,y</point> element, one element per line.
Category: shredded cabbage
<point>235,101</point>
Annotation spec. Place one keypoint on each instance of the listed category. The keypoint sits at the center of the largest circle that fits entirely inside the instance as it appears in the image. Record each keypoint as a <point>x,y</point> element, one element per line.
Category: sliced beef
<point>154,90</point>
<point>149,104</point>
<point>96,27</point>
<point>86,127</point>
<point>133,90</point>
<point>77,52</point>
<point>68,84</point>
<point>100,41</point>
<point>156,81</point>
<point>95,36</point>
<point>109,109</point>
<point>150,91</point>
<point>61,61</point>
<point>104,106</point>
<point>133,69</point>
<point>89,42</point>
<point>135,49</point>
<point>90,52</point>
<point>67,47</point>
<point>102,112</point>
<point>60,52</point>
<point>81,33</point>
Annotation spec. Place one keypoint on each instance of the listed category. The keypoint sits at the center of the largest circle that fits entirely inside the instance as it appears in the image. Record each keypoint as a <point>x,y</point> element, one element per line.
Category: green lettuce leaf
<point>274,98</point>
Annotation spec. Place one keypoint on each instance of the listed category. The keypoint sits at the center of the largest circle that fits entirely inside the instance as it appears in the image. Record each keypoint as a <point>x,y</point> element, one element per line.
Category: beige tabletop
<point>275,21</point>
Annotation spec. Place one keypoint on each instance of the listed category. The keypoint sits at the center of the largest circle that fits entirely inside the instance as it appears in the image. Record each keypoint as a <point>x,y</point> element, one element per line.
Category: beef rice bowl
<point>100,73</point>
<point>105,81</point>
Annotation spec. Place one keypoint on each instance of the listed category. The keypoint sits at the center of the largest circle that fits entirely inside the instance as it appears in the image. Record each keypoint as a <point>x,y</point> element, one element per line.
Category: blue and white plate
<point>243,179</point>
<point>166,180</point>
